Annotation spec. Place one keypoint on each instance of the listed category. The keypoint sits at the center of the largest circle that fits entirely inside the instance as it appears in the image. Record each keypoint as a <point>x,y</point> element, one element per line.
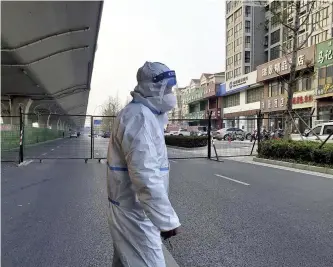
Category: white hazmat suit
<point>138,171</point>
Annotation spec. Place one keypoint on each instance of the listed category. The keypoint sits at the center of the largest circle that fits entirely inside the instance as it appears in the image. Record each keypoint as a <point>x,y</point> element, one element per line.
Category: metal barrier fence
<point>54,136</point>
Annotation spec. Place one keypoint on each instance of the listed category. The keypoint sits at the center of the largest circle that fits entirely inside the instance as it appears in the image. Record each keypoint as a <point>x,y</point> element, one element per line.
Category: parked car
<point>181,132</point>
<point>73,135</point>
<point>223,134</point>
<point>322,130</point>
<point>106,135</point>
<point>166,133</point>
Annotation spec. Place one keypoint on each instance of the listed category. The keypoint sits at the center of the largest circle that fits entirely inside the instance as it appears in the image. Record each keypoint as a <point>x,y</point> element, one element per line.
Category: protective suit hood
<point>154,88</point>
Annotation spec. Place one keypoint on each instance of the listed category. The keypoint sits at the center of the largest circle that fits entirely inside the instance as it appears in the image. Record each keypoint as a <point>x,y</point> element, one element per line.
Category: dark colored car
<point>106,135</point>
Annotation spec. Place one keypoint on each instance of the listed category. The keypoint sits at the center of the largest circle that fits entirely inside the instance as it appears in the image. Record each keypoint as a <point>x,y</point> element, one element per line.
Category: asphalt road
<point>233,214</point>
<point>266,217</point>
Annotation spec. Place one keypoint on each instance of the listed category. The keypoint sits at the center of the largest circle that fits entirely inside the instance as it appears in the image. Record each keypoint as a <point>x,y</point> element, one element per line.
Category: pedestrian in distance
<point>139,211</point>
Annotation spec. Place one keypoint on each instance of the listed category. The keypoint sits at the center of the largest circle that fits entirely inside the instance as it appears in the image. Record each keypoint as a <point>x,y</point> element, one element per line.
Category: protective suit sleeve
<point>146,175</point>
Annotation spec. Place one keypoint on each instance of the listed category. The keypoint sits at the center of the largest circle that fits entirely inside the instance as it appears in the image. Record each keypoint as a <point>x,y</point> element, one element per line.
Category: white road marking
<point>97,153</point>
<point>249,160</point>
<point>227,178</point>
<point>44,154</point>
<point>173,161</point>
<point>25,163</point>
<point>52,149</point>
<point>57,146</point>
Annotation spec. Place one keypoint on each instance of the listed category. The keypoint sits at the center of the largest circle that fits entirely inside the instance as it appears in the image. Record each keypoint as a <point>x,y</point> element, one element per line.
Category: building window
<point>230,20</point>
<point>238,42</point>
<point>238,13</point>
<point>275,37</point>
<point>229,61</point>
<point>230,49</point>
<point>247,11</point>
<point>304,84</point>
<point>275,88</point>
<point>238,28</point>
<point>275,52</point>
<point>320,18</point>
<point>247,26</point>
<point>276,20</point>
<point>318,38</point>
<point>254,95</point>
<point>247,56</point>
<point>247,41</point>
<point>229,75</point>
<point>229,6</point>
<point>229,35</point>
<point>232,100</point>
<point>237,72</point>
<point>302,41</point>
<point>237,58</point>
<point>247,69</point>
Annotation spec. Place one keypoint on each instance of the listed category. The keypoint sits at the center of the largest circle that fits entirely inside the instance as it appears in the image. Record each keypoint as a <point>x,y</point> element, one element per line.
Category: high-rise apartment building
<point>315,18</point>
<point>245,33</point>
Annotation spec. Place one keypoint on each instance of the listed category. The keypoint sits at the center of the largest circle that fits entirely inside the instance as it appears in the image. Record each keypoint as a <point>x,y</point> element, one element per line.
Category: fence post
<point>258,128</point>
<point>21,156</point>
<point>209,135</point>
<point>91,137</point>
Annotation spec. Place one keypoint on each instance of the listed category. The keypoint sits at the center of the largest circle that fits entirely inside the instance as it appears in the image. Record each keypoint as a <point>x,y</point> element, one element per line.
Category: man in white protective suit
<point>138,172</point>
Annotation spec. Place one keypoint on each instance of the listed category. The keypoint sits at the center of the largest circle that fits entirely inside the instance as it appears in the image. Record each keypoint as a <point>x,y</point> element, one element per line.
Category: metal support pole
<point>328,137</point>
<point>209,135</point>
<point>92,137</point>
<point>21,156</point>
<point>258,129</point>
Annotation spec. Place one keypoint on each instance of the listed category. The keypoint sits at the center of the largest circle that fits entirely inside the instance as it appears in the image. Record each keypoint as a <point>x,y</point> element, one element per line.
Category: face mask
<point>169,101</point>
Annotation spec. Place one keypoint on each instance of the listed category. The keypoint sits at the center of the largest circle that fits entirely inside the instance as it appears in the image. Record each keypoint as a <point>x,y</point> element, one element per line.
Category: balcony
<point>198,115</point>
<point>194,96</point>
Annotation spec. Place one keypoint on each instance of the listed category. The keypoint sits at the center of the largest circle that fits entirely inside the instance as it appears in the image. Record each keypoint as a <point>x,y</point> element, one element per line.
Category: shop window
<point>232,100</point>
<point>275,89</point>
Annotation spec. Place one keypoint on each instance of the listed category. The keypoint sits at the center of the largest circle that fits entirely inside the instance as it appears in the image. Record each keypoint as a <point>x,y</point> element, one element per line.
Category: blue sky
<point>186,35</point>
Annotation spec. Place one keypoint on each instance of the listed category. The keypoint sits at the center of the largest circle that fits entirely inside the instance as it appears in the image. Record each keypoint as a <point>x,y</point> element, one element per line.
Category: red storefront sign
<point>302,99</point>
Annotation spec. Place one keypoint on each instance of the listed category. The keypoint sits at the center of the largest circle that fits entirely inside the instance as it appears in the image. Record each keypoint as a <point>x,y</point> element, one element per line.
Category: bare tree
<point>295,16</point>
<point>111,108</point>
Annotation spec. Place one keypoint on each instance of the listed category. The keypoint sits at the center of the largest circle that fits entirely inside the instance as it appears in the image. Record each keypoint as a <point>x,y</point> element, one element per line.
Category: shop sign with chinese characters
<point>281,66</point>
<point>324,53</point>
<point>273,104</point>
<point>302,99</point>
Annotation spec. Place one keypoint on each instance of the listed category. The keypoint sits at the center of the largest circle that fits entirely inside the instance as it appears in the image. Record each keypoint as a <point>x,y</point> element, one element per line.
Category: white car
<point>322,130</point>
<point>73,135</point>
<point>181,132</point>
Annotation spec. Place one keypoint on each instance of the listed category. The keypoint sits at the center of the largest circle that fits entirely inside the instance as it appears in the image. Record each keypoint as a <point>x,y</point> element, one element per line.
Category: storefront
<point>241,102</point>
<point>324,82</point>
<point>274,102</point>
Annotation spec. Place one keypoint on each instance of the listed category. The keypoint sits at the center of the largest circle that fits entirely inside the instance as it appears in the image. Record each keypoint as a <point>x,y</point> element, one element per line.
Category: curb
<point>295,165</point>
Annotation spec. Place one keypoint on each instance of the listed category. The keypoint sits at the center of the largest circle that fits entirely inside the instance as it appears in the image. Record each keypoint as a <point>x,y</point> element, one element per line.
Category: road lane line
<point>173,161</point>
<point>52,149</point>
<point>25,163</point>
<point>227,178</point>
<point>44,154</point>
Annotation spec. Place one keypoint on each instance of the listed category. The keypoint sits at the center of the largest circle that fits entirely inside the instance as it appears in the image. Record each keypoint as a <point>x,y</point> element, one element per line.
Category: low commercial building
<point>240,99</point>
<point>323,83</point>
<point>273,75</point>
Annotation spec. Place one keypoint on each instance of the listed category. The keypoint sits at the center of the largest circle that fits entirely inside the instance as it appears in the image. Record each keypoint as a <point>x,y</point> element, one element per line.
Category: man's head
<point>155,82</point>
